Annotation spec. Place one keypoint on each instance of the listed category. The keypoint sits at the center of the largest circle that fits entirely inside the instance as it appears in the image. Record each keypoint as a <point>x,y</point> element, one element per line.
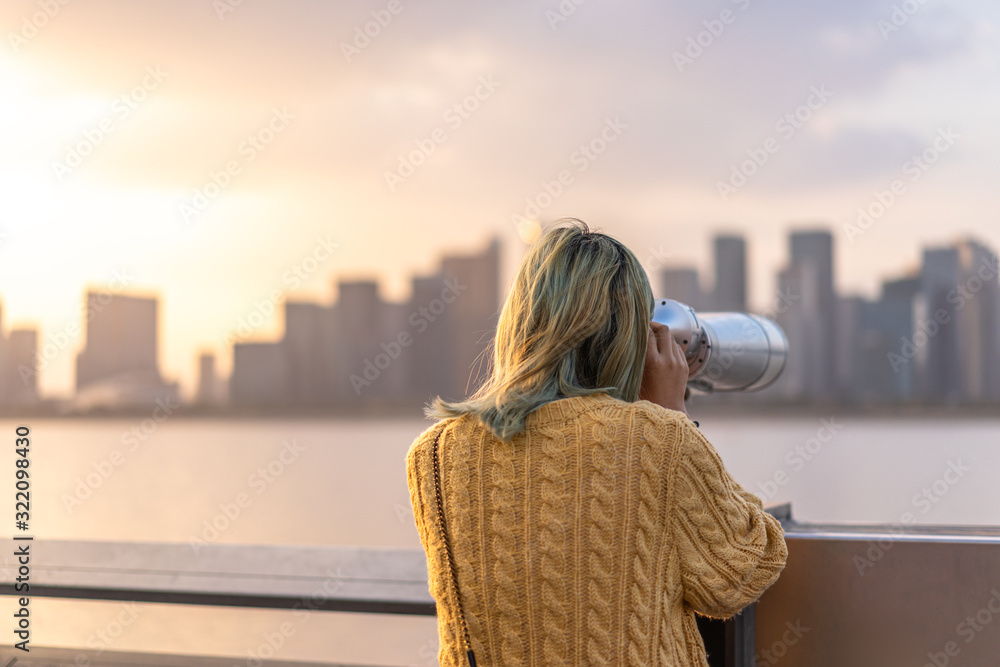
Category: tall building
<point>873,363</point>
<point>22,356</point>
<point>260,375</point>
<point>936,331</point>
<point>18,367</point>
<point>800,319</point>
<point>395,356</point>
<point>308,348</point>
<point>432,366</point>
<point>121,335</point>
<point>893,316</point>
<point>118,366</point>
<point>682,284</point>
<point>729,292</point>
<point>5,379</point>
<point>365,351</point>
<point>358,314</point>
<point>209,389</point>
<point>472,282</point>
<point>812,262</point>
<point>847,344</point>
<point>977,302</point>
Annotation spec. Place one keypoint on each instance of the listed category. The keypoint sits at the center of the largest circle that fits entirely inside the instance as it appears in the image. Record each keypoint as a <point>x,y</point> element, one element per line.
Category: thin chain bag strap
<point>447,551</point>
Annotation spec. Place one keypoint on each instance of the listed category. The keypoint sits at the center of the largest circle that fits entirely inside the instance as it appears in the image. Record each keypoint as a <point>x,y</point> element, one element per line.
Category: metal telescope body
<point>725,351</point>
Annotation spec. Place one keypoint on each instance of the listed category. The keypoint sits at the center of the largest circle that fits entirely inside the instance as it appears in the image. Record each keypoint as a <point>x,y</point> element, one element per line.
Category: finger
<point>678,351</point>
<point>666,337</point>
<point>662,332</point>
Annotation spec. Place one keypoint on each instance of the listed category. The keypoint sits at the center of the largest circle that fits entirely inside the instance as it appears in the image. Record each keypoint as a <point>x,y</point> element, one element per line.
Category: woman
<point>584,517</point>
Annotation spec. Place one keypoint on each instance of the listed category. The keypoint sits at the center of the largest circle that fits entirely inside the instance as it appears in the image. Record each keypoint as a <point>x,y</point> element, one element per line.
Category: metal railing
<point>858,594</point>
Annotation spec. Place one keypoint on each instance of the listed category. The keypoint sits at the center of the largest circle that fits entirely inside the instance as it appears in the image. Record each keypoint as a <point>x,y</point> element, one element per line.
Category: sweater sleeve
<point>419,480</point>
<point>413,471</point>
<point>730,550</point>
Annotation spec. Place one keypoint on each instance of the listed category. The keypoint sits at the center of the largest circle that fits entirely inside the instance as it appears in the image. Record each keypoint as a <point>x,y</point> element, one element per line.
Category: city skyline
<point>126,330</point>
<point>202,156</point>
<point>245,243</point>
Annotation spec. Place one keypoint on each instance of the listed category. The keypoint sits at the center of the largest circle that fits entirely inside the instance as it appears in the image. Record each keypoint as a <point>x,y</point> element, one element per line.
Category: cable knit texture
<point>592,538</point>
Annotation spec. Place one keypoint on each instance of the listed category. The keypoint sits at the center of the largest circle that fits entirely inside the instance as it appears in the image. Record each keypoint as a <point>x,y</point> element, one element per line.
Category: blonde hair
<point>574,322</point>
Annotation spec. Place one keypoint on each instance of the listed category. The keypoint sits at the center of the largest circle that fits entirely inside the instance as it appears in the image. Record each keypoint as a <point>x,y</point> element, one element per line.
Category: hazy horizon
<point>297,133</point>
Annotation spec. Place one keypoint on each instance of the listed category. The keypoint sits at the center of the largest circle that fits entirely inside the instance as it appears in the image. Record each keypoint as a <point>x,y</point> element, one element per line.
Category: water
<point>344,483</point>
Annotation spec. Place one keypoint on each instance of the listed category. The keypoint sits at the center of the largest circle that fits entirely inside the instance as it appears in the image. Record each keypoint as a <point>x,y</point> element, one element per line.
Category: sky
<point>204,150</point>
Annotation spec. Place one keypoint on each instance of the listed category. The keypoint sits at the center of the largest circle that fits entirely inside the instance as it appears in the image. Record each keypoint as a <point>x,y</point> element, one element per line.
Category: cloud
<point>560,82</point>
<point>848,155</point>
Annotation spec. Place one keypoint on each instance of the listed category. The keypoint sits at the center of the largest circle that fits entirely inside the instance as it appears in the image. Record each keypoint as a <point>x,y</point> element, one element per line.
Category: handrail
<point>349,579</point>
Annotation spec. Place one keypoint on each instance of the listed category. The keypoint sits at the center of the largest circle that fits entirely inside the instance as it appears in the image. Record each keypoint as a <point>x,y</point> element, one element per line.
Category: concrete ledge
<point>66,657</point>
<point>353,579</point>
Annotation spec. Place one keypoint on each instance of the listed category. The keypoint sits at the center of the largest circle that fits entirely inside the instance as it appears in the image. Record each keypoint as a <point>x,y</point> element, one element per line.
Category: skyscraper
<point>308,346</point>
<point>729,292</point>
<point>5,379</point>
<point>119,364</point>
<point>935,331</point>
<point>365,351</point>
<point>358,315</point>
<point>893,316</point>
<point>473,283</point>
<point>208,384</point>
<point>121,339</point>
<point>260,374</point>
<point>19,368</point>
<point>682,284</point>
<point>977,302</point>
<point>813,251</point>
<point>801,321</point>
<point>847,323</point>
<point>432,367</point>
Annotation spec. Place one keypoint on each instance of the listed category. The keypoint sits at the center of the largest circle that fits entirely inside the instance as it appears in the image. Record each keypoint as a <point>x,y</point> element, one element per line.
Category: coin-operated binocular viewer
<point>725,351</point>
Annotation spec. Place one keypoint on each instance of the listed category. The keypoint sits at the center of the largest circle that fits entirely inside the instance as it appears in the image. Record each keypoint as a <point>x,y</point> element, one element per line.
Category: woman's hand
<point>665,373</point>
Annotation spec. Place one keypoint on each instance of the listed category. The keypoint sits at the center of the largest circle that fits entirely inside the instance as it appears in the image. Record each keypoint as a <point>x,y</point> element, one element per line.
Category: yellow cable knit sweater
<point>591,539</point>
